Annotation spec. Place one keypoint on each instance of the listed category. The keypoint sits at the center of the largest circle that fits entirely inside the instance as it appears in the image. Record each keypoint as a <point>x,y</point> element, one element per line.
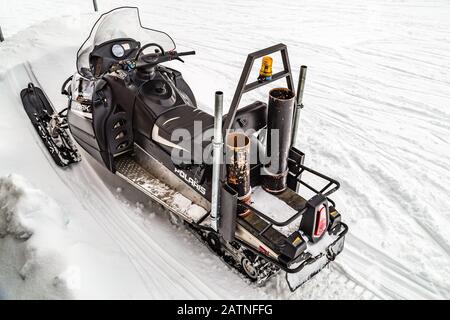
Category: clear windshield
<point>123,22</point>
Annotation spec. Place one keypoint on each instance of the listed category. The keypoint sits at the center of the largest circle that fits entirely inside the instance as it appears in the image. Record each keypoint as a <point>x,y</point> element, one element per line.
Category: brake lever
<point>178,58</point>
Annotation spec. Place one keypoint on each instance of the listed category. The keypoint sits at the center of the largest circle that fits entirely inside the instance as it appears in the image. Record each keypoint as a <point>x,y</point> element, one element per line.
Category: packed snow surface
<point>376,117</point>
<point>274,208</point>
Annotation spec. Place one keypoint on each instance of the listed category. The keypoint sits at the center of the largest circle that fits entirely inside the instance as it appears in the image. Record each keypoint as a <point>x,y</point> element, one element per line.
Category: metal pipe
<point>301,84</point>
<point>299,102</point>
<point>1,35</point>
<point>95,5</point>
<point>238,168</point>
<point>217,160</point>
<point>279,130</point>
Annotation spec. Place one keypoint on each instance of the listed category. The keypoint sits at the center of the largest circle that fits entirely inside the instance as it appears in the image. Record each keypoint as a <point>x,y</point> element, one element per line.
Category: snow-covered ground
<point>376,117</point>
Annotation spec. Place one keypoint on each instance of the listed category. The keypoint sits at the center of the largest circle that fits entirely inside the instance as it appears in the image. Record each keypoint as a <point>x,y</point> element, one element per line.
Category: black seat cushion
<point>186,118</point>
<point>192,124</point>
<point>273,238</point>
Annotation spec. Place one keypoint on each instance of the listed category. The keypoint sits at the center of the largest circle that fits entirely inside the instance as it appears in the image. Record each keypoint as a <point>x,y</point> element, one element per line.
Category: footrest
<point>128,169</point>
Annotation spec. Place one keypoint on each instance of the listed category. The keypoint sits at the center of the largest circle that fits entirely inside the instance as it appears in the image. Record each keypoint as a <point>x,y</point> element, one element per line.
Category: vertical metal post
<point>1,35</point>
<point>300,89</point>
<point>95,5</point>
<point>280,115</point>
<point>217,159</point>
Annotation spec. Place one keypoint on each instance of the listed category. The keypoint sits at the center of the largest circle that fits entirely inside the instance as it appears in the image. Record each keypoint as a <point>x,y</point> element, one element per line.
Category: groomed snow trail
<point>376,118</point>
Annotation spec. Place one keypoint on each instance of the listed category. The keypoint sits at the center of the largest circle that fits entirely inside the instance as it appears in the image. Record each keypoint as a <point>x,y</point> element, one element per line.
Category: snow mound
<point>32,230</point>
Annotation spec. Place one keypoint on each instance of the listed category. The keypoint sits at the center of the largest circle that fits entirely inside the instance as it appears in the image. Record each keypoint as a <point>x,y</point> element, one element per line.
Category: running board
<point>128,169</point>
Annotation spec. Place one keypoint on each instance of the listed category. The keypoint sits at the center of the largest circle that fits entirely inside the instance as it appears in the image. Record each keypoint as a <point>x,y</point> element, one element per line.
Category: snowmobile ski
<point>51,126</point>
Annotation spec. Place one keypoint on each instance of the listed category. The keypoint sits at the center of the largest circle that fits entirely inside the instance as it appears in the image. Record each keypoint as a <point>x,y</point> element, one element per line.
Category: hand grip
<point>187,53</point>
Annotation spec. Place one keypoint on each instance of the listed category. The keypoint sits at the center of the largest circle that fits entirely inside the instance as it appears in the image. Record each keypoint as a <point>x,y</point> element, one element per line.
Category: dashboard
<point>110,52</point>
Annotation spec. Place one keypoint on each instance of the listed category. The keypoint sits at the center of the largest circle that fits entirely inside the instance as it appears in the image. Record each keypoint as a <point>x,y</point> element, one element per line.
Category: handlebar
<point>157,59</point>
<point>187,53</point>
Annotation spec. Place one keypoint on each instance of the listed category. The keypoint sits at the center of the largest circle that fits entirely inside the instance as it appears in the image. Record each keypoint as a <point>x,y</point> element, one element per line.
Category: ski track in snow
<point>376,117</point>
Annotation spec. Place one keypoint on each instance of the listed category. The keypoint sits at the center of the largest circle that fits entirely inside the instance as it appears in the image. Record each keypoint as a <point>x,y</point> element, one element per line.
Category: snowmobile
<point>129,111</point>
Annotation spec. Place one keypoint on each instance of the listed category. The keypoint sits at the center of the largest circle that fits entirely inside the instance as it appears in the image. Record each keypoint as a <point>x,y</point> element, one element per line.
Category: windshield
<point>123,22</point>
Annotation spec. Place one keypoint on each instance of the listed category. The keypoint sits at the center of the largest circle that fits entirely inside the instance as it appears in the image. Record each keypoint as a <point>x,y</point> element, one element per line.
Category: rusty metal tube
<point>238,167</point>
<point>279,132</point>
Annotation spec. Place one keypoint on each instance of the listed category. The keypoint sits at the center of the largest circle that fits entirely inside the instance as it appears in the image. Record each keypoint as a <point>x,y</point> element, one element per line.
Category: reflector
<point>321,222</point>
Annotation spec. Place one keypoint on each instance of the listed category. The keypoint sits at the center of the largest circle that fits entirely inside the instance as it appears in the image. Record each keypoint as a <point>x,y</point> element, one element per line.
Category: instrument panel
<point>110,52</point>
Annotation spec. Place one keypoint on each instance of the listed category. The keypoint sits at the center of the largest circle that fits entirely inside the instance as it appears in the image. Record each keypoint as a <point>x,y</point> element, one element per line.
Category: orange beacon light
<point>265,73</point>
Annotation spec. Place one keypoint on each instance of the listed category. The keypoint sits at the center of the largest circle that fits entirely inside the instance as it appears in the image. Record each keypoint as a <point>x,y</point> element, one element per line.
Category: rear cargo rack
<point>295,173</point>
<point>244,87</point>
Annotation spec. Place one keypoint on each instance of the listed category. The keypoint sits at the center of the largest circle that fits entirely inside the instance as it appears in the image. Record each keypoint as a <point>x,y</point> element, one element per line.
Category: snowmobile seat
<point>289,246</point>
<point>255,224</point>
<point>197,123</point>
<point>191,123</point>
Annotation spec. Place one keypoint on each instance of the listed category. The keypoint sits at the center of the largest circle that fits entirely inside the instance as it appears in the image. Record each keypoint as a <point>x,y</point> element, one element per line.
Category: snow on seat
<point>278,207</point>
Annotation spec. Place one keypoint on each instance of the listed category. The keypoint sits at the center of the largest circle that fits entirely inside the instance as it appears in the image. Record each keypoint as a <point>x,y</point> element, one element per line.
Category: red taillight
<point>321,222</point>
<point>262,250</point>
